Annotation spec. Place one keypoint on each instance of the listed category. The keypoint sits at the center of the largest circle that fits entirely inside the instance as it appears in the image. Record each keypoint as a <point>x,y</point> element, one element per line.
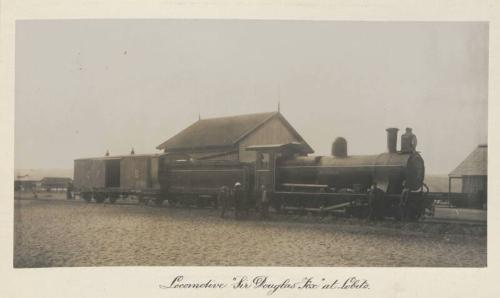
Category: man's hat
<point>237,184</point>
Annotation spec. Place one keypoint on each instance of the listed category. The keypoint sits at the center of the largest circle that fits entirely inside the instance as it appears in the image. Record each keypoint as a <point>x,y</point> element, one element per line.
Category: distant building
<point>25,184</point>
<point>29,179</point>
<point>49,183</point>
<point>226,138</point>
<point>473,172</point>
<point>26,180</point>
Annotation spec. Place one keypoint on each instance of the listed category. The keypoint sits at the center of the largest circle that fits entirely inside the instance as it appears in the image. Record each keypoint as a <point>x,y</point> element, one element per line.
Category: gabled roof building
<point>226,138</point>
<point>473,171</point>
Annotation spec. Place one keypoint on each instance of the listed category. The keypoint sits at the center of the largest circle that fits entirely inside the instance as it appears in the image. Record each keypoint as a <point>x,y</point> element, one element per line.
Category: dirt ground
<point>54,233</point>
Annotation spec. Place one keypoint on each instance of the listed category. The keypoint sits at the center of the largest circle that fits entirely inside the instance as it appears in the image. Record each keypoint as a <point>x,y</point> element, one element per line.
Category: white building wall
<point>273,132</point>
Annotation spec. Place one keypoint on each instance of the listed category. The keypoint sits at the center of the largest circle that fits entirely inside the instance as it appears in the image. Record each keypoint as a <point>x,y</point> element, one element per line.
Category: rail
<point>453,199</point>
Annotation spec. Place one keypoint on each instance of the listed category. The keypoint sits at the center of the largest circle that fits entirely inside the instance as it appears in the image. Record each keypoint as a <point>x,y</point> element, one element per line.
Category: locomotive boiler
<point>391,171</point>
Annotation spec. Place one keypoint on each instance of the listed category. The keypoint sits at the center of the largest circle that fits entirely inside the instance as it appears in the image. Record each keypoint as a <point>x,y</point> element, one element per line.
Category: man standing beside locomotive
<point>69,191</point>
<point>238,200</point>
<point>223,199</point>
<point>375,202</point>
<point>264,203</point>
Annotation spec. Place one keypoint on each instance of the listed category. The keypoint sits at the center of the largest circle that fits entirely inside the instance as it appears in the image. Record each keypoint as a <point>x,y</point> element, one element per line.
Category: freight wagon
<point>157,177</point>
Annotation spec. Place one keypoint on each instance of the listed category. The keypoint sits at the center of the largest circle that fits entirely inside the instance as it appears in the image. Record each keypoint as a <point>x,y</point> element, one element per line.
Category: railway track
<point>431,220</point>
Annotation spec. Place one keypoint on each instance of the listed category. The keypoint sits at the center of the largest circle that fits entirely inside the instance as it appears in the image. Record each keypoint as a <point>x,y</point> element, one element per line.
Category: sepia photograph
<point>188,142</point>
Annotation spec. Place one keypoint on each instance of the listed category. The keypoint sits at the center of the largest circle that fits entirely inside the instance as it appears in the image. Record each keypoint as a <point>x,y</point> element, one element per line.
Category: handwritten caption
<point>268,284</point>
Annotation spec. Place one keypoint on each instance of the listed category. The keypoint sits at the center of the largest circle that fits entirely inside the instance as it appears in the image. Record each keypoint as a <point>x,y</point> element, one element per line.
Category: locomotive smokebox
<point>339,147</point>
<point>392,139</point>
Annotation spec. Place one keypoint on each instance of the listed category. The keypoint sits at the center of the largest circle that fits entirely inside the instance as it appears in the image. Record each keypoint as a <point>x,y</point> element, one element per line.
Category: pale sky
<point>86,86</point>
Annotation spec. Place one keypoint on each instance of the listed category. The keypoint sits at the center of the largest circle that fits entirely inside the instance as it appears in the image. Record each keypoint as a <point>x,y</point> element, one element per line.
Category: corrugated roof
<point>118,156</point>
<point>221,132</point>
<point>476,164</point>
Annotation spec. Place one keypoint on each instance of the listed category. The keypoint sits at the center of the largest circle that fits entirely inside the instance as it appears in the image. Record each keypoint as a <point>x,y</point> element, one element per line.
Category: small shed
<point>226,138</point>
<point>473,172</point>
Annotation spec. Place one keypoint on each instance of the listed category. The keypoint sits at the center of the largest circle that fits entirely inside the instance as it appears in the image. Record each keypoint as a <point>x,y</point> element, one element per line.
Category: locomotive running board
<point>336,206</point>
<point>329,208</point>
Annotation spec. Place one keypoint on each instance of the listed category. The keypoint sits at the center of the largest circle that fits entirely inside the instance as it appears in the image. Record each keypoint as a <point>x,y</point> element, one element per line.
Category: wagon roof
<point>117,156</point>
<point>476,164</point>
<point>222,132</point>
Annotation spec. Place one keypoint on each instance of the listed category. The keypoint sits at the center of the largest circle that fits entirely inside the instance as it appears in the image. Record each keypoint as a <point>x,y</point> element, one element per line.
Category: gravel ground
<point>58,233</point>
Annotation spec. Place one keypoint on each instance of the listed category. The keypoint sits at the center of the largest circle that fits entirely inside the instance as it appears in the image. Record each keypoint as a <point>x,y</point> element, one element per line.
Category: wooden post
<point>272,165</point>
<point>449,186</point>
<point>449,191</point>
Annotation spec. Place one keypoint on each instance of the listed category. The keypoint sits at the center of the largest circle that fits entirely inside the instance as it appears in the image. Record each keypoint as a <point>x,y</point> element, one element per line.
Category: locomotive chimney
<point>339,147</point>
<point>392,139</point>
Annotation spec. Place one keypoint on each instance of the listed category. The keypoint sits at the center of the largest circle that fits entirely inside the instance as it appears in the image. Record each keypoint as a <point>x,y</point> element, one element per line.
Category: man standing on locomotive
<point>408,141</point>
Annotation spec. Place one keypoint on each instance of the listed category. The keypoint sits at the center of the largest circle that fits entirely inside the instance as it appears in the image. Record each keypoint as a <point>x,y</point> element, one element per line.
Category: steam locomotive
<point>389,184</point>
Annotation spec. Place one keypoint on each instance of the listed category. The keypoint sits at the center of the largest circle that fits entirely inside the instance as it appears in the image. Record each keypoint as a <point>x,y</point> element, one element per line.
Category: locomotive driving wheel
<point>172,202</point>
<point>142,200</point>
<point>113,198</point>
<point>99,198</point>
<point>413,211</point>
<point>86,196</point>
<point>159,201</point>
<point>214,202</point>
<point>276,204</point>
<point>200,202</point>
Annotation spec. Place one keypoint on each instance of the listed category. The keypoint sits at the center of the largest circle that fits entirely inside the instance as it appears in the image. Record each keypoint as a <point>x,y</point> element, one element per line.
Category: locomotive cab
<point>268,159</point>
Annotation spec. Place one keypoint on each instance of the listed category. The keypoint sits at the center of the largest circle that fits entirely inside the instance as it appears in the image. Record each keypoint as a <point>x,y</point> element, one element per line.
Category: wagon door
<point>112,173</point>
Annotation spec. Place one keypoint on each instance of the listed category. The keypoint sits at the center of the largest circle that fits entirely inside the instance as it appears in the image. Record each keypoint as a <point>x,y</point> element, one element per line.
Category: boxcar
<point>112,177</point>
<point>94,174</point>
